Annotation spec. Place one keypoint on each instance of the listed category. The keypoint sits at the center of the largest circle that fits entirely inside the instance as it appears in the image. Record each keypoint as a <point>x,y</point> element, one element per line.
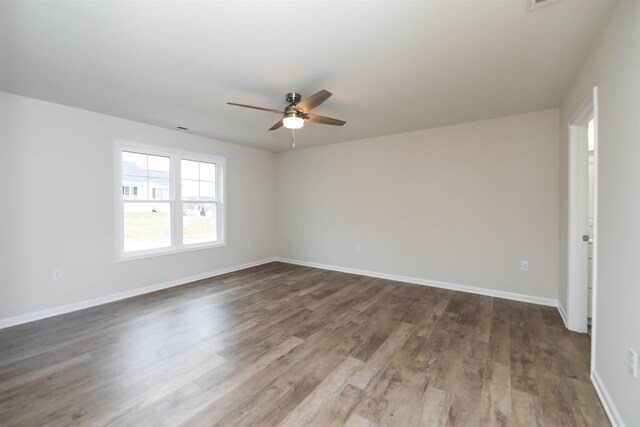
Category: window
<point>168,201</point>
<point>198,187</point>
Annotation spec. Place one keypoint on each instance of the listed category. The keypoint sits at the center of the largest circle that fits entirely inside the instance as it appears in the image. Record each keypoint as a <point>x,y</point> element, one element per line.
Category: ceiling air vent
<point>537,3</point>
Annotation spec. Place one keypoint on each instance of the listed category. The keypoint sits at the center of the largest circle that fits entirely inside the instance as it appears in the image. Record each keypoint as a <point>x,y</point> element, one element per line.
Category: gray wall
<point>613,66</point>
<point>58,206</point>
<point>461,204</point>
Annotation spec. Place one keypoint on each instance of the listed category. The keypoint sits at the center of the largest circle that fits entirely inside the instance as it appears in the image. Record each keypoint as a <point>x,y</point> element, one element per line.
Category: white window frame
<point>175,200</point>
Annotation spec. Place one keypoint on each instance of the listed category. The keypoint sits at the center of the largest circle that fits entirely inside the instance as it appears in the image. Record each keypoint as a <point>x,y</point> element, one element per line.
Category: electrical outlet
<point>357,248</point>
<point>56,274</point>
<point>633,362</point>
<point>524,265</point>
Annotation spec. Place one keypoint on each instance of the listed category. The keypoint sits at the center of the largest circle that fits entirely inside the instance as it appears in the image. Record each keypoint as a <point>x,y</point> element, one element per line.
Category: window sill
<point>169,251</point>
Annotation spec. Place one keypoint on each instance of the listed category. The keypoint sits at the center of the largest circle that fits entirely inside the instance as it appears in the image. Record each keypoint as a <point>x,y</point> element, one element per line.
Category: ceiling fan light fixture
<point>293,121</point>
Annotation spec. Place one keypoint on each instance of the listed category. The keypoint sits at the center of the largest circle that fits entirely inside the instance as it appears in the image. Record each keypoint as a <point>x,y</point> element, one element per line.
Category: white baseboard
<point>416,281</point>
<point>605,399</point>
<point>563,314</point>
<point>43,314</point>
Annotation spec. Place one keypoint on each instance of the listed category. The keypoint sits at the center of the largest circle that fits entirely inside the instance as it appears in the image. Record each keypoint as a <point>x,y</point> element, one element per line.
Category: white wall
<point>614,66</point>
<point>1,199</point>
<point>462,204</point>
<point>58,209</point>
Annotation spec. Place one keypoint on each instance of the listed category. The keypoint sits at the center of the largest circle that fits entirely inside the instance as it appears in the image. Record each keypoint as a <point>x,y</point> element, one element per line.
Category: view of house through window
<point>147,211</point>
<point>198,196</point>
<point>153,217</point>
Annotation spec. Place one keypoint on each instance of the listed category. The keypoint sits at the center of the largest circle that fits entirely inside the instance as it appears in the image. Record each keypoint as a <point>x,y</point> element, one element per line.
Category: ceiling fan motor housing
<point>292,111</point>
<point>293,98</point>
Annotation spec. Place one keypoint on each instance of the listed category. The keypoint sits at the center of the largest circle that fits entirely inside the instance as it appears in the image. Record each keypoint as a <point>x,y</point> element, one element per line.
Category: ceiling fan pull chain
<point>293,137</point>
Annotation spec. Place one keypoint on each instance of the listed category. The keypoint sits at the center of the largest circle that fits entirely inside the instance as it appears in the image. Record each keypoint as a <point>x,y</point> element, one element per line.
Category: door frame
<point>577,292</point>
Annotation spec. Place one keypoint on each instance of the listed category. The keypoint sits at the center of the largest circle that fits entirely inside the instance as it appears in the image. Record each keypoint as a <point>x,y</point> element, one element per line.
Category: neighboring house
<point>143,184</point>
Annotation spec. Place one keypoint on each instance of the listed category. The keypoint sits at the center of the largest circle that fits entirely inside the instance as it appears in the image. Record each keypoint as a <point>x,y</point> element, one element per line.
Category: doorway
<point>582,235</point>
<point>590,209</point>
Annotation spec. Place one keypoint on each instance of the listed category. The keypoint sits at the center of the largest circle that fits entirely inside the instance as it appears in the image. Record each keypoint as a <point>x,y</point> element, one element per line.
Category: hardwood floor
<point>295,346</point>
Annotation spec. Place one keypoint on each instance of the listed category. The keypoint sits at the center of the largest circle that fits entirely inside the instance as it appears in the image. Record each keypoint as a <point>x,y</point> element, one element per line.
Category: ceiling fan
<point>297,112</point>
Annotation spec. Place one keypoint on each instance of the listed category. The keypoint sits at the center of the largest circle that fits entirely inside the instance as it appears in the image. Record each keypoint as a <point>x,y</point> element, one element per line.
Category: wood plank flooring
<point>294,346</point>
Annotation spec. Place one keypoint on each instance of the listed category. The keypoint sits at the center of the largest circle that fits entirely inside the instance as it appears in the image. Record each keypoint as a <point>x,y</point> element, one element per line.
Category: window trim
<point>175,202</point>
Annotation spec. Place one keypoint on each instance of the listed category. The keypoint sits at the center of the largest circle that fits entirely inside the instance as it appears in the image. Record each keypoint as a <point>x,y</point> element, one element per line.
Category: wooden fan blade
<point>257,108</point>
<point>323,120</point>
<point>313,101</point>
<point>277,125</point>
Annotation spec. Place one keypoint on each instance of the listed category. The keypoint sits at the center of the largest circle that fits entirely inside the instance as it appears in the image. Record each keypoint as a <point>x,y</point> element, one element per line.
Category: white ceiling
<point>392,66</point>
